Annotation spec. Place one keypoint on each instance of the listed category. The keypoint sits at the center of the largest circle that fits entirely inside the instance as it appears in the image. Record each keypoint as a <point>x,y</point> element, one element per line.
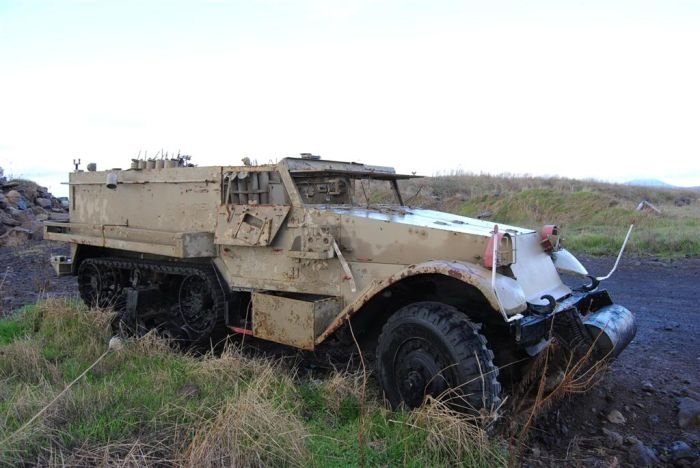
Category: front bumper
<point>579,321</point>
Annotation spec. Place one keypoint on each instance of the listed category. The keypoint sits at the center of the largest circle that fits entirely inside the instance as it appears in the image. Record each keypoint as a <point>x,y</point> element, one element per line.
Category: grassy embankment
<point>148,405</point>
<point>593,216</point>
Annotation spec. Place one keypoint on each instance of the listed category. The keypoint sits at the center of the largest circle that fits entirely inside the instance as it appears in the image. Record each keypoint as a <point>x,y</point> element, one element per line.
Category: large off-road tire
<point>430,348</point>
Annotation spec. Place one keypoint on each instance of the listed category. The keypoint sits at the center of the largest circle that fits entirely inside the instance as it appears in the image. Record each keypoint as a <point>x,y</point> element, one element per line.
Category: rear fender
<point>510,295</point>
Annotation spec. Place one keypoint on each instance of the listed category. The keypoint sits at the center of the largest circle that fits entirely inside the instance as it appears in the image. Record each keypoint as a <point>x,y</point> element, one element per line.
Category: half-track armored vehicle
<point>299,253</point>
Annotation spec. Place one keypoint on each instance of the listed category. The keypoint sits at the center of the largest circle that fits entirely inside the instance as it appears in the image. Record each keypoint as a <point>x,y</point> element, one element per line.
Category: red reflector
<point>549,237</point>
<point>488,255</point>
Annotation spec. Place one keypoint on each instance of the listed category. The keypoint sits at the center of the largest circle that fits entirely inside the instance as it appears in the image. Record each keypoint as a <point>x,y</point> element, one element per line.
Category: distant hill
<point>649,183</point>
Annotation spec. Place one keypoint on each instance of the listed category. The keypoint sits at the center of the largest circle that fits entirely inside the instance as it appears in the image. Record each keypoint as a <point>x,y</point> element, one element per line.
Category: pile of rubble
<point>24,206</point>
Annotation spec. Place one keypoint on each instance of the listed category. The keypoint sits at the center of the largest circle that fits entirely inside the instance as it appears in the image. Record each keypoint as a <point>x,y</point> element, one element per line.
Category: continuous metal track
<point>205,272</point>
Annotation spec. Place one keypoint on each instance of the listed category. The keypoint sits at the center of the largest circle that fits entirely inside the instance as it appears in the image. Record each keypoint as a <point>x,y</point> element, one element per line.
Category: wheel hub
<point>418,373</point>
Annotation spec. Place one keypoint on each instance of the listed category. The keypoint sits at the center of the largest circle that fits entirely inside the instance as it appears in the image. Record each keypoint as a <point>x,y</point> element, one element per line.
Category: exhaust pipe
<point>612,327</point>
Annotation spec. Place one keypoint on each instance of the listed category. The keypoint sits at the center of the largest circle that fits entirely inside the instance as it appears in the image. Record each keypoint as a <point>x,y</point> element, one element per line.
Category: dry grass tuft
<point>458,438</point>
<point>340,386</point>
<point>61,312</point>
<point>551,379</point>
<point>130,455</point>
<point>65,325</point>
<point>150,344</point>
<point>251,431</point>
<point>25,400</point>
<point>232,366</point>
<point>22,402</point>
<point>22,361</point>
<point>257,425</point>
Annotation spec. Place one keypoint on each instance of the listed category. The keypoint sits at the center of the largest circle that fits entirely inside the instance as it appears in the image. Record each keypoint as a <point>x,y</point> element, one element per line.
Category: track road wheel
<point>197,308</point>
<point>99,285</point>
<point>429,348</point>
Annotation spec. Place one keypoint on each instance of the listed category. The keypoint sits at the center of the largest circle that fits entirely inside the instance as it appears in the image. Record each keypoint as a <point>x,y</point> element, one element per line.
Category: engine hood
<point>403,236</point>
<point>429,219</point>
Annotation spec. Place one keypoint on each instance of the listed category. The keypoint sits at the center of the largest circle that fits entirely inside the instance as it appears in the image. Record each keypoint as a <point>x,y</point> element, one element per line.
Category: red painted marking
<point>243,331</point>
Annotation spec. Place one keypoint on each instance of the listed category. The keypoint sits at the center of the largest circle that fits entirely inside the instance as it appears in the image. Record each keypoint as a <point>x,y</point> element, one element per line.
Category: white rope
<point>619,255</point>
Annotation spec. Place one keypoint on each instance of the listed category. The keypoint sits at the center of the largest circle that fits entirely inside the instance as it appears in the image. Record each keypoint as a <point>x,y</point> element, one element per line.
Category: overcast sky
<point>601,89</point>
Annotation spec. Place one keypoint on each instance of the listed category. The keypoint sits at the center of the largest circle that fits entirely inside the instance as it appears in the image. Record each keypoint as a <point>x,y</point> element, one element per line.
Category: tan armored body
<point>298,252</point>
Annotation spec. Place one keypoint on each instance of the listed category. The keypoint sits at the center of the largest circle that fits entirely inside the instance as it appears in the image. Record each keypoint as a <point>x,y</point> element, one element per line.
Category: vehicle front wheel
<point>430,348</point>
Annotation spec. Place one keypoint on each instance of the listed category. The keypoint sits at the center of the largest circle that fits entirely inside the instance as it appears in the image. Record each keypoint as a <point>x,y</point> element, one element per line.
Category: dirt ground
<point>658,371</point>
<point>26,275</point>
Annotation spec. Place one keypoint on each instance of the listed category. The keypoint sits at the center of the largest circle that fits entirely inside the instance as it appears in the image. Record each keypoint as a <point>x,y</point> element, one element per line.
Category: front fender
<point>565,262</point>
<point>511,296</point>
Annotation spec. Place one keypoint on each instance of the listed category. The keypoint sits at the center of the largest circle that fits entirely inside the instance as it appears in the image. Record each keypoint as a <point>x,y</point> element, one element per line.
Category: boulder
<point>20,215</point>
<point>680,450</point>
<point>641,455</point>
<point>682,201</point>
<point>3,201</point>
<point>688,413</point>
<point>616,417</point>
<point>14,198</point>
<point>44,203</point>
<point>35,228</point>
<point>8,220</point>
<point>613,439</point>
<point>37,210</point>
<point>15,237</point>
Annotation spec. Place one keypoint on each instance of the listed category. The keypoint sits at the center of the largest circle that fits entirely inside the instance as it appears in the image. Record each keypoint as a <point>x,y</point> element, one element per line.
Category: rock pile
<point>24,206</point>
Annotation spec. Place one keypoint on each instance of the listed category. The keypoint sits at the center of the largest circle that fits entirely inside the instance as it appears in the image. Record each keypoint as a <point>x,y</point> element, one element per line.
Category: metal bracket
<point>346,266</point>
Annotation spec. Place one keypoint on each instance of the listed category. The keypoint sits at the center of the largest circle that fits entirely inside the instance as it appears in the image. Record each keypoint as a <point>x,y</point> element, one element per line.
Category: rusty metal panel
<point>314,242</point>
<point>312,166</point>
<point>292,320</point>
<point>249,225</point>
<point>197,245</point>
<point>172,244</point>
<point>180,199</point>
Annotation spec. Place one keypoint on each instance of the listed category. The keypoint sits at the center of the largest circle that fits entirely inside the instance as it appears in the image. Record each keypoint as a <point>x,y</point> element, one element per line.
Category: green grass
<point>596,223</point>
<point>23,322</point>
<point>149,405</point>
